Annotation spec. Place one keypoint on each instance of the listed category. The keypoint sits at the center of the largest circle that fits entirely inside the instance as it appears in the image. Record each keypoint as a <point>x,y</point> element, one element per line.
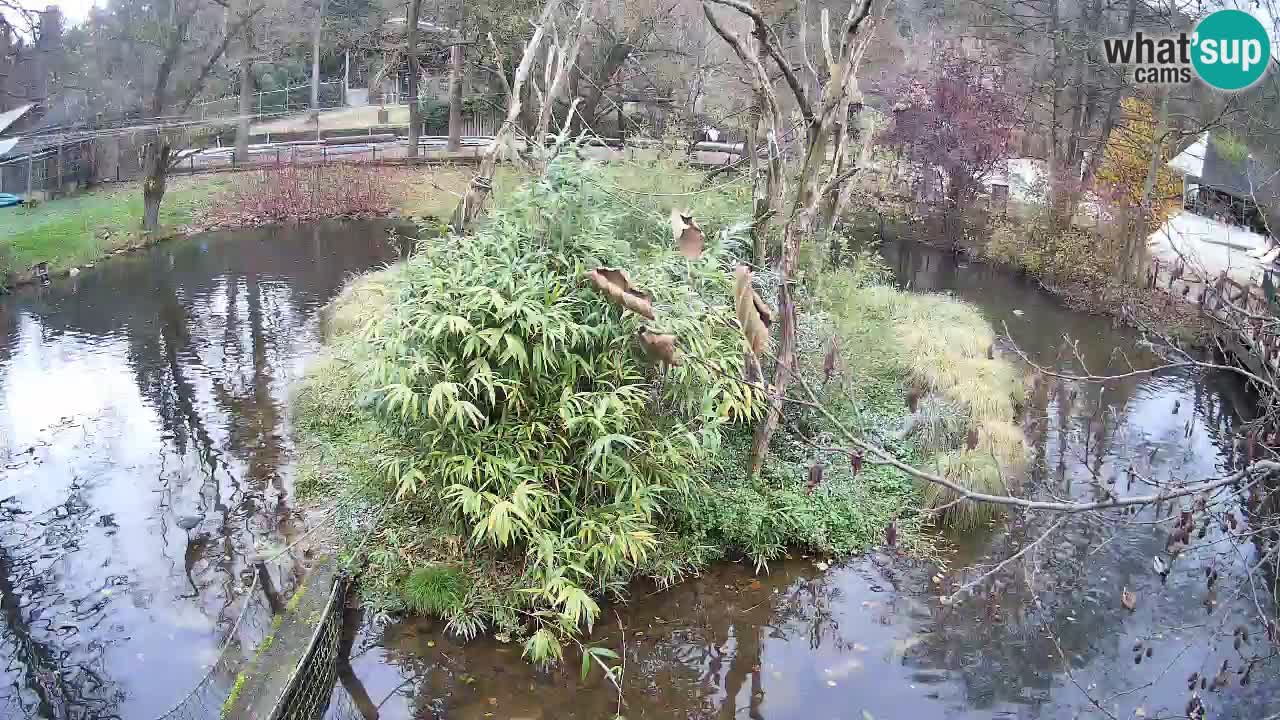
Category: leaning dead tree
<point>559,58</point>
<point>822,170</point>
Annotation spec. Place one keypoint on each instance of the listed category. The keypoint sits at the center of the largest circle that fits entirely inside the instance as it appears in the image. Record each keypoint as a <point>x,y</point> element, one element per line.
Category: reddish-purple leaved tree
<point>955,119</point>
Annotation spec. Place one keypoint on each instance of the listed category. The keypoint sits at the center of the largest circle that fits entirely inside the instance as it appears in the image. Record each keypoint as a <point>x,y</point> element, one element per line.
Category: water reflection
<point>145,453</point>
<point>873,636</point>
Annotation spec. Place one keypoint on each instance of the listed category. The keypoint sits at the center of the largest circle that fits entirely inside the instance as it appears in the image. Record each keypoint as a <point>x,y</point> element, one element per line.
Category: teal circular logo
<point>1231,50</point>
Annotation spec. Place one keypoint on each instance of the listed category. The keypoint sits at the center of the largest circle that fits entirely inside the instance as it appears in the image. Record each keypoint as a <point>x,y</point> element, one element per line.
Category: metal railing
<point>275,102</point>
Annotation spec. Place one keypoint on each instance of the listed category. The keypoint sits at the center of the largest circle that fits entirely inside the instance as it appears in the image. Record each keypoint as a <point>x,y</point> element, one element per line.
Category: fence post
<point>31,171</point>
<point>268,588</point>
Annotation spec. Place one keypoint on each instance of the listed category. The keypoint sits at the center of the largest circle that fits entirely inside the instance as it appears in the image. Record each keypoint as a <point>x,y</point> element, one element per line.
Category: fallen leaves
<point>754,315</point>
<point>1128,599</point>
<point>688,236</point>
<point>617,288</point>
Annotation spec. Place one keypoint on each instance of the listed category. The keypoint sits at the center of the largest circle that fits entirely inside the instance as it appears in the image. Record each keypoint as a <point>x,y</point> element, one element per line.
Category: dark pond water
<point>149,389</point>
<point>154,388</point>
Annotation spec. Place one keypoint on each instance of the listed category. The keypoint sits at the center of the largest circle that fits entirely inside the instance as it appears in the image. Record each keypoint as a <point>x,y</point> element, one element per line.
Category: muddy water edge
<point>150,393</point>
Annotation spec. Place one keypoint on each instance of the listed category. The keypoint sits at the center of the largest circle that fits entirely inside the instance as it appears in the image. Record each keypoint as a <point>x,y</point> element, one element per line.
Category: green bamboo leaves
<point>511,371</point>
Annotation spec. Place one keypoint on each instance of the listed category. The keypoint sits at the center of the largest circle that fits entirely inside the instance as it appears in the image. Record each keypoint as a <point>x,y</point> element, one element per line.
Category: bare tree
<point>186,29</point>
<point>816,175</point>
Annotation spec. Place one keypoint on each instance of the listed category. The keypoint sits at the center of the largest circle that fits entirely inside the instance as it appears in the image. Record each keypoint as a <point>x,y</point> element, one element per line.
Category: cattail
<point>972,440</point>
<point>891,534</point>
<point>855,462</point>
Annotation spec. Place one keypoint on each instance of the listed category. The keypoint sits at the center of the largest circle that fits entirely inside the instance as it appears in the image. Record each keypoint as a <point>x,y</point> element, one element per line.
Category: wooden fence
<point>1248,321</point>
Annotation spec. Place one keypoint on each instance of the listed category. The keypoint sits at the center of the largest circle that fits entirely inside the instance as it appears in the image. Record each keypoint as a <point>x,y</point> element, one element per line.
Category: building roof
<point>1191,161</point>
<point>1219,161</point>
<point>10,117</point>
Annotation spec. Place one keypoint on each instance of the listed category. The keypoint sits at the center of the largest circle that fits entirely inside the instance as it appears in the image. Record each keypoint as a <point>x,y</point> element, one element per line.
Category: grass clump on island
<point>497,440</point>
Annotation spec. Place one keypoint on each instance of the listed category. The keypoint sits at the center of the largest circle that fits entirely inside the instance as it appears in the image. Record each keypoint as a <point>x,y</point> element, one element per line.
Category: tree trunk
<point>155,163</point>
<point>590,107</point>
<point>455,98</point>
<point>473,201</point>
<point>799,227</point>
<point>759,200</point>
<point>411,47</point>
<point>246,105</point>
<point>315,69</point>
<point>1142,224</point>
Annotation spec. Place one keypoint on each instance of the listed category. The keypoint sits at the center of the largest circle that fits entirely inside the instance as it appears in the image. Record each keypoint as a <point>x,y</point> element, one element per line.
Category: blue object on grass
<point>7,200</point>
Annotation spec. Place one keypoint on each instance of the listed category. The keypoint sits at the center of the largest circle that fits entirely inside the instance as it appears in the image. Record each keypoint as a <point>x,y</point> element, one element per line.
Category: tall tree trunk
<point>761,187</point>
<point>415,8</point>
<point>155,164</point>
<point>455,98</point>
<point>246,103</point>
<point>315,68</point>
<point>799,227</point>
<point>759,200</point>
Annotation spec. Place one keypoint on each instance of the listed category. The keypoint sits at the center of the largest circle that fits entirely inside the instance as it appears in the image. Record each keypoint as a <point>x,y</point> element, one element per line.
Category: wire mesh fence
<point>307,694</point>
<point>206,699</point>
<point>275,102</point>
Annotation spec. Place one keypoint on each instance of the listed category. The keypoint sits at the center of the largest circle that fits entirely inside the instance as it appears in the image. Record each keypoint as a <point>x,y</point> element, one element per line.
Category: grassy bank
<point>507,454</point>
<point>72,231</point>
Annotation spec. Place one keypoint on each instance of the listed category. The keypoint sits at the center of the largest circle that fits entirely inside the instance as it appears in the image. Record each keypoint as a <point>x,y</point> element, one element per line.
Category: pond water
<point>145,394</point>
<point>151,391</point>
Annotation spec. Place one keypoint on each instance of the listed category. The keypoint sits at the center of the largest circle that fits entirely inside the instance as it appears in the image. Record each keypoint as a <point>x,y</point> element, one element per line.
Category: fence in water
<point>309,691</point>
<point>206,699</point>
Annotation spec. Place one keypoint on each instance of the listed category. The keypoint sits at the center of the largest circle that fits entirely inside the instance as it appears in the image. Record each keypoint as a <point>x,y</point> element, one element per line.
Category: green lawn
<point>79,229</point>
